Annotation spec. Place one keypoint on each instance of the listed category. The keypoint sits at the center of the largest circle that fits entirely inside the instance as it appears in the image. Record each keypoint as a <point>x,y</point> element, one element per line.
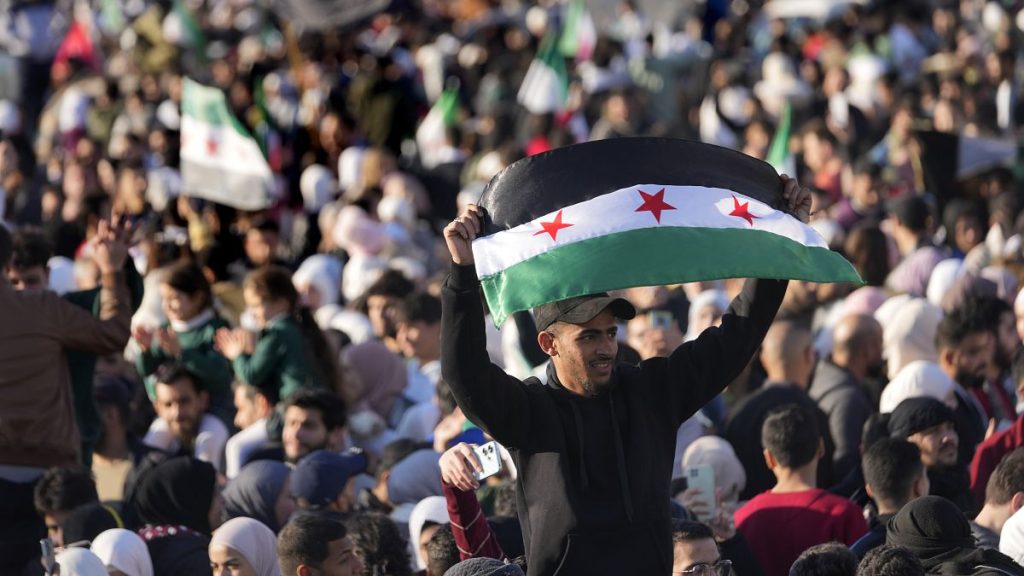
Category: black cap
<point>581,309</point>
<point>915,415</point>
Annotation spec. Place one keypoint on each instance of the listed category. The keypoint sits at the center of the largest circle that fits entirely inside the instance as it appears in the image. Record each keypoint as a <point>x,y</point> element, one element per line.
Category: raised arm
<point>488,396</point>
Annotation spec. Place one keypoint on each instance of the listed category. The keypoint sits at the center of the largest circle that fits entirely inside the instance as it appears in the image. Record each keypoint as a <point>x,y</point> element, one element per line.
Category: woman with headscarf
<point>245,546</point>
<point>938,533</point>
<point>176,504</point>
<point>260,491</point>
<point>429,514</point>
<point>908,334</point>
<point>123,551</point>
<point>80,562</point>
<point>318,281</point>
<point>716,452</point>
<point>919,378</point>
<point>382,377</point>
<point>1011,539</point>
<point>706,310</point>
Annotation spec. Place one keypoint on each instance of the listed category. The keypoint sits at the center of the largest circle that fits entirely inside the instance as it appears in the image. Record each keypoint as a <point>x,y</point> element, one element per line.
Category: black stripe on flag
<point>541,184</point>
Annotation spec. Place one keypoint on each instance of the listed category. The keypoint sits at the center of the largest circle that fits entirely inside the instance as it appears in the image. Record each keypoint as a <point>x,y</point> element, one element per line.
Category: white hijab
<point>1011,539</point>
<point>80,562</point>
<point>431,509</point>
<point>915,380</point>
<point>254,541</point>
<point>123,550</point>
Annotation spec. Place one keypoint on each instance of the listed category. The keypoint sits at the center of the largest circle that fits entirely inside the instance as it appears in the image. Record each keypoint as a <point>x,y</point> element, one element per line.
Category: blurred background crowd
<point>273,351</point>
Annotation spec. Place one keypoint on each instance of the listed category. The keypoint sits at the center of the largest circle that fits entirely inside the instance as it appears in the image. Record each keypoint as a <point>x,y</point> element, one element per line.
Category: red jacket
<point>990,452</point>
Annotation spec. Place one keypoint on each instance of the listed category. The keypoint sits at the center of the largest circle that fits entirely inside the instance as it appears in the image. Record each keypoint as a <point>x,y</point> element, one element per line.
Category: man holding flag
<point>594,445</point>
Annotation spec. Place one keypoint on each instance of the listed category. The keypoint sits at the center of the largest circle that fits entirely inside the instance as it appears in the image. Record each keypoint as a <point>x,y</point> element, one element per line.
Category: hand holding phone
<point>700,482</point>
<point>490,460</point>
<point>49,560</point>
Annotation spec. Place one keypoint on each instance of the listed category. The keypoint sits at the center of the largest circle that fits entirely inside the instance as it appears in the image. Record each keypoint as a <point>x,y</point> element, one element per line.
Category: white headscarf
<point>716,452</point>
<point>706,299</point>
<point>944,276</point>
<point>254,541</point>
<point>123,550</point>
<point>317,186</point>
<point>80,562</point>
<point>431,509</point>
<point>1011,539</point>
<point>916,380</point>
<point>323,272</point>
<point>909,334</point>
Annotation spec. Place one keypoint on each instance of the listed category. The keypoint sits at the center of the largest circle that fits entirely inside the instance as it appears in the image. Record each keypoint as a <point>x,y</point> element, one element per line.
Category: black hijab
<point>178,491</point>
<point>938,533</point>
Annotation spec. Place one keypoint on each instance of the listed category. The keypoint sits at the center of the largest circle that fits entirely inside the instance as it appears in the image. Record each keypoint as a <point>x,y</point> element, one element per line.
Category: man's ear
<point>947,357</point>
<point>770,460</point>
<point>870,491</point>
<point>1017,502</point>
<point>304,570</point>
<point>546,341</point>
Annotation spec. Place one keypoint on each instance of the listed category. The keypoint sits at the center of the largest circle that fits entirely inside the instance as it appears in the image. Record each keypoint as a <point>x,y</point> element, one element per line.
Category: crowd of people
<point>191,388</point>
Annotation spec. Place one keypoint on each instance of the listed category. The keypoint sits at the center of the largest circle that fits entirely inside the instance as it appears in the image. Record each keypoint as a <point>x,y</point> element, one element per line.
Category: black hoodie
<point>594,472</point>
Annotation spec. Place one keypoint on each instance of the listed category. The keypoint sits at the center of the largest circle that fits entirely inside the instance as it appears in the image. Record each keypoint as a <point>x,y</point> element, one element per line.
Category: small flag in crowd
<point>432,134</point>
<point>779,154</point>
<point>191,32</point>
<point>626,212</point>
<point>579,35</point>
<point>546,84</point>
<point>78,45</point>
<point>220,161</point>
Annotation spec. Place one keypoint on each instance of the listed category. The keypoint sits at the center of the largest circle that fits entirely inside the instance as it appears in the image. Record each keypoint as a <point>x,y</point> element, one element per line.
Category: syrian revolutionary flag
<point>626,212</point>
<point>546,84</point>
<point>432,134</point>
<point>579,36</point>
<point>219,160</point>
<point>779,154</point>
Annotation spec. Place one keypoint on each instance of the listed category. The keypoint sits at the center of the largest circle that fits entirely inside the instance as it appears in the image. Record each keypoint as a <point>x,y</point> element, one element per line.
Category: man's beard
<point>592,388</point>
<point>969,381</point>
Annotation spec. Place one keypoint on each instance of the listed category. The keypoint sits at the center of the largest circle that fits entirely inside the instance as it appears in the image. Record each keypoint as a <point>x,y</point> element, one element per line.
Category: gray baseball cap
<point>581,309</point>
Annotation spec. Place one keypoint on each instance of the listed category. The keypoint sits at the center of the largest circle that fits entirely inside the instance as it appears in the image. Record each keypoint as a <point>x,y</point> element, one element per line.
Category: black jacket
<point>594,472</point>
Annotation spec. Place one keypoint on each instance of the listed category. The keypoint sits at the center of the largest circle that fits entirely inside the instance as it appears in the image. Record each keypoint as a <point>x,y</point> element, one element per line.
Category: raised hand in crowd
<point>458,464</point>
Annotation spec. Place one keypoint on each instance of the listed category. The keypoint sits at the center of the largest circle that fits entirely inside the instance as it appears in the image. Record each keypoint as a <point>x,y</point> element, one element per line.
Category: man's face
<point>30,279</point>
<point>381,310</point>
<point>178,404</point>
<point>938,445</point>
<point>584,354</point>
<point>689,554</point>
<point>304,432</point>
<point>342,559</point>
<point>245,408</point>
<point>420,340</point>
<point>971,358</point>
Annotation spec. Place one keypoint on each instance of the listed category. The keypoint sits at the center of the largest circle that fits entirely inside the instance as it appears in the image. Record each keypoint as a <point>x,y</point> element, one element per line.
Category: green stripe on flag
<point>685,254</point>
<point>208,105</point>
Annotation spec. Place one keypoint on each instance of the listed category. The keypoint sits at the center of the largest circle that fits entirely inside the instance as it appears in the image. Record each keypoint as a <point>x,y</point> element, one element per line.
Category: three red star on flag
<point>742,210</point>
<point>654,203</point>
<point>553,227</point>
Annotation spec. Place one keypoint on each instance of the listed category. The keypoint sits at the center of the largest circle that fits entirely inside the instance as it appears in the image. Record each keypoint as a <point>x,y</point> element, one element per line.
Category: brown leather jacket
<point>37,422</point>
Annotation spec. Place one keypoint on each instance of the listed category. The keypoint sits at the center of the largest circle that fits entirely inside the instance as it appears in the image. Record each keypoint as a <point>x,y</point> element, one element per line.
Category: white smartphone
<point>490,460</point>
<point>702,478</point>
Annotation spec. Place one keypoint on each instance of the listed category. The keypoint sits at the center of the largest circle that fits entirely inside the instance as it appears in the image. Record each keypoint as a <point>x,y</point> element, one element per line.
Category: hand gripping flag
<point>629,212</point>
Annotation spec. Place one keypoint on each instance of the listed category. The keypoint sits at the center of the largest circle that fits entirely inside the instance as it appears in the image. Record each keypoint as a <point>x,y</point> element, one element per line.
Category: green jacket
<point>281,363</point>
<point>82,365</point>
<point>198,356</point>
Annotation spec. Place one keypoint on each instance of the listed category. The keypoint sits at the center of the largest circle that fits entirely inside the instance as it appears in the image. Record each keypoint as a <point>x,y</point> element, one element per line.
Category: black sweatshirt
<point>594,472</point>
